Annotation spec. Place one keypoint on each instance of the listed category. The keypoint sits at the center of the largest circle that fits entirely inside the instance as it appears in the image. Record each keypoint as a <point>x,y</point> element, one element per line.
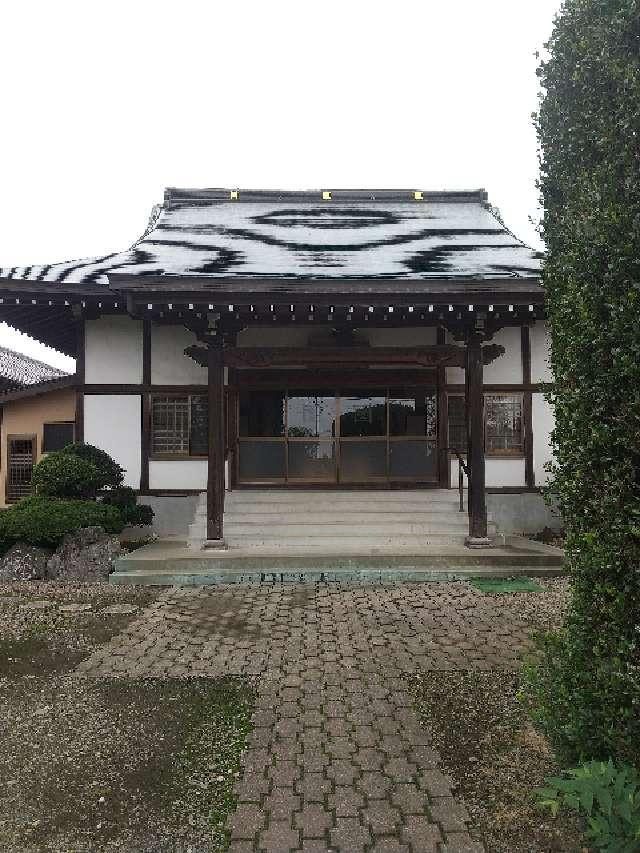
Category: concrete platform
<point>170,562</point>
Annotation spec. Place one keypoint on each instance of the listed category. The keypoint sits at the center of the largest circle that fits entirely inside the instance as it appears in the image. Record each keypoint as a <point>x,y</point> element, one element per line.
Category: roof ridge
<point>176,196</point>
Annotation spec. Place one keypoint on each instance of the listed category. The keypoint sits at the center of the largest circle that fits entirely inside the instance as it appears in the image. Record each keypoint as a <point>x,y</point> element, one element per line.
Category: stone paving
<point>337,760</point>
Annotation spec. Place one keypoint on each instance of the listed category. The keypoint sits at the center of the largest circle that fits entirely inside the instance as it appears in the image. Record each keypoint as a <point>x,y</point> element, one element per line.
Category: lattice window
<point>179,425</point>
<point>170,426</point>
<point>457,423</point>
<point>20,468</point>
<point>503,424</point>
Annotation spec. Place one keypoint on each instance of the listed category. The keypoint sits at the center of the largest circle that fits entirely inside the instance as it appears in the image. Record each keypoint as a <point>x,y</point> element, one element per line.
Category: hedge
<point>46,521</point>
<point>585,690</point>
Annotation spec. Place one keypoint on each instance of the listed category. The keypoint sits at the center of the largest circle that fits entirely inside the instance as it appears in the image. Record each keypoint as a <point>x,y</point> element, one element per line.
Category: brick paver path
<point>337,760</point>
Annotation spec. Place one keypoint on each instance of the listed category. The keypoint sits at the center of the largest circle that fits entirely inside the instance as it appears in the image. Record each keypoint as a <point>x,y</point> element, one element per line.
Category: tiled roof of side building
<point>18,371</point>
<point>339,234</point>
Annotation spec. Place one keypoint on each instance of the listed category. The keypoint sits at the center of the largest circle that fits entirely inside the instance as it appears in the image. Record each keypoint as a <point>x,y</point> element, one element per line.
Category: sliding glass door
<point>350,435</point>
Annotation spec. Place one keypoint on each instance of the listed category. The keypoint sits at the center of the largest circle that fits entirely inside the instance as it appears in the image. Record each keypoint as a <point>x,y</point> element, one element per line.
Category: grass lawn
<point>107,764</point>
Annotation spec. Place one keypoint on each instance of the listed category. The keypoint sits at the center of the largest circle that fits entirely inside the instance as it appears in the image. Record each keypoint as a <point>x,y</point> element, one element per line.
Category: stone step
<point>328,508</point>
<point>337,530</point>
<point>250,496</point>
<point>403,544</point>
<point>382,517</point>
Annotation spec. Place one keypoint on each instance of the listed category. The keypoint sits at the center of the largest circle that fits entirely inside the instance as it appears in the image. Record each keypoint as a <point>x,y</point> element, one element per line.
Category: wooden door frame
<point>430,379</point>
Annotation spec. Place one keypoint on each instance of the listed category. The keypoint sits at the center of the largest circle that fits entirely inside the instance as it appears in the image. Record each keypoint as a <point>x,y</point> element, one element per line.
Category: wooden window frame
<point>43,449</point>
<point>516,453</point>
<point>505,453</point>
<point>178,456</point>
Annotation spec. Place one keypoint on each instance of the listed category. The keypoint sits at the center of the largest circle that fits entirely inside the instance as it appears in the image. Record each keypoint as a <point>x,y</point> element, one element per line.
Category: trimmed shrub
<point>133,514</point>
<point>65,476</point>
<point>46,521</point>
<point>585,689</point>
<point>111,474</point>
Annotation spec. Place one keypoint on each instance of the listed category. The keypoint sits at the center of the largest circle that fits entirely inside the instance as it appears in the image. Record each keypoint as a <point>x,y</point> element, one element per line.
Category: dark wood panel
<point>140,389</point>
<point>335,379</point>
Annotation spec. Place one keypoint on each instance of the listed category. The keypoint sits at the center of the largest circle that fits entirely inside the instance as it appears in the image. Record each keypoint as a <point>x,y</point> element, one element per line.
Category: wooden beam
<point>221,290</point>
<point>427,356</point>
<point>443,417</point>
<point>215,471</point>
<point>145,426</point>
<point>475,445</point>
<point>80,376</point>
<point>527,409</point>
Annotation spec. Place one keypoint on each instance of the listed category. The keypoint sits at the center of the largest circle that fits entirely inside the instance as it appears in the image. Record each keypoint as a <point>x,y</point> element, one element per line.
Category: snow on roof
<point>18,370</point>
<point>347,234</point>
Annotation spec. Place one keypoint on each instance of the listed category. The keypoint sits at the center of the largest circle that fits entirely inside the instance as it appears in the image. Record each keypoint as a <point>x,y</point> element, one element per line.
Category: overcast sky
<point>105,104</point>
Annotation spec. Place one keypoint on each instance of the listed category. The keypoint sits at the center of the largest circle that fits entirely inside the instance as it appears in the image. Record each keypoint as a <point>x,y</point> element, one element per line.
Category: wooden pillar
<point>79,379</point>
<point>527,408</point>
<point>215,475</point>
<point>444,474</point>
<point>145,408</point>
<point>475,444</point>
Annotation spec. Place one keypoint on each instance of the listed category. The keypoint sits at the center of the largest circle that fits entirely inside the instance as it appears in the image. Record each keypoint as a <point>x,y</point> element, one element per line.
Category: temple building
<point>267,342</point>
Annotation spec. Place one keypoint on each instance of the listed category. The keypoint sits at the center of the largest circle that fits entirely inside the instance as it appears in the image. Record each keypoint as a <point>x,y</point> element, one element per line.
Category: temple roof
<point>18,371</point>
<point>344,234</point>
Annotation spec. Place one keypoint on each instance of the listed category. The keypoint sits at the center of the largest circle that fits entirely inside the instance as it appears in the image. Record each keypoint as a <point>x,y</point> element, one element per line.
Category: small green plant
<point>133,513</point>
<point>608,795</point>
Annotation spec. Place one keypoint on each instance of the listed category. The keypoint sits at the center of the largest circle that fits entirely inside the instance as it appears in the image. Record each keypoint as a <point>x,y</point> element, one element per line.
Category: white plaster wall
<point>506,368</point>
<point>455,375</point>
<point>505,472</point>
<point>498,472</point>
<point>540,348</point>
<point>169,364</point>
<point>113,350</point>
<point>113,422</point>
<point>543,422</point>
<point>178,474</point>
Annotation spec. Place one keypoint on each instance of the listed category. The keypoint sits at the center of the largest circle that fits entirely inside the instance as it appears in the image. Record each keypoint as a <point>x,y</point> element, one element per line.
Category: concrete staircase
<point>337,522</point>
<point>280,536</point>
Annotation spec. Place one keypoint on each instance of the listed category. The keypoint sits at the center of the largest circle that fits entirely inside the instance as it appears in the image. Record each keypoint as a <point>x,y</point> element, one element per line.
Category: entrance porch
<point>322,534</point>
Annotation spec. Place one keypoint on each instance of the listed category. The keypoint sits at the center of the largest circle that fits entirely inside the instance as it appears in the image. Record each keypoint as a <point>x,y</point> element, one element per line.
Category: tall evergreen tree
<point>586,689</point>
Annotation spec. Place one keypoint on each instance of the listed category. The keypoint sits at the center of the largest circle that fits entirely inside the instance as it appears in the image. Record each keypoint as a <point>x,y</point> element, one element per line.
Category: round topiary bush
<point>64,475</point>
<point>46,521</point>
<point>111,474</point>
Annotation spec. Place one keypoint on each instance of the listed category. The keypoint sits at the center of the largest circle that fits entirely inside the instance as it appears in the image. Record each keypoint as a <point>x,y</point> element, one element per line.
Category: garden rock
<point>24,562</point>
<point>84,555</point>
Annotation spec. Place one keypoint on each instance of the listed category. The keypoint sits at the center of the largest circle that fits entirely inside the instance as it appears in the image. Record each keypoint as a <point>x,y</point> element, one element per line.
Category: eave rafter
<point>49,314</point>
